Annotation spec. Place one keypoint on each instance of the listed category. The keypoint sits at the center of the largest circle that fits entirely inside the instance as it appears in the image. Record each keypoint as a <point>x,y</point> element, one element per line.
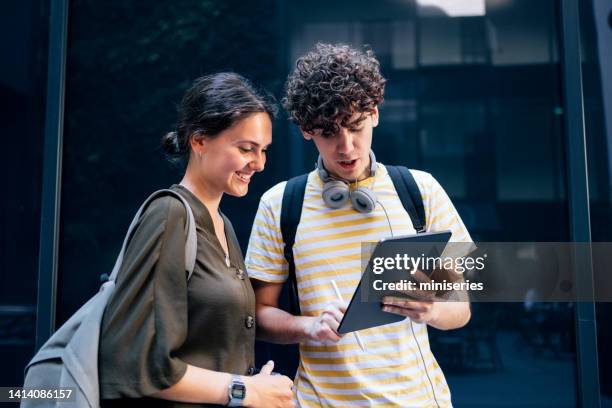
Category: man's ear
<point>374,116</point>
<point>307,136</point>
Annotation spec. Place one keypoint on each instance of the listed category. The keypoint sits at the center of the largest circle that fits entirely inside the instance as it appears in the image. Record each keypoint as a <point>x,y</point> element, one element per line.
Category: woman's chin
<point>237,191</point>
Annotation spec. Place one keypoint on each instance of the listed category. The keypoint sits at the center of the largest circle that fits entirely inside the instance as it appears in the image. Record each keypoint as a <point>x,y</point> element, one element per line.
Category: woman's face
<point>228,161</point>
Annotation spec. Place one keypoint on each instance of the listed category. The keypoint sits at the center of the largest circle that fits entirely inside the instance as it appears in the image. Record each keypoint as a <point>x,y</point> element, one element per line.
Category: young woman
<point>170,342</point>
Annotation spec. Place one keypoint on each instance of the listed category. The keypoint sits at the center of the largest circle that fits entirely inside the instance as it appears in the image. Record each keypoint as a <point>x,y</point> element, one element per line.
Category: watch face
<point>238,391</point>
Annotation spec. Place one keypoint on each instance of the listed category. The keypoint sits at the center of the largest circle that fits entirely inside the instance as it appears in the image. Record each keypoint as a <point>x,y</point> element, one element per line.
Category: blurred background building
<point>508,103</point>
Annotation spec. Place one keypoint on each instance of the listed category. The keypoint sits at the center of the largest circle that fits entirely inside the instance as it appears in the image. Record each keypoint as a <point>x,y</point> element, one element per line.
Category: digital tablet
<point>364,310</point>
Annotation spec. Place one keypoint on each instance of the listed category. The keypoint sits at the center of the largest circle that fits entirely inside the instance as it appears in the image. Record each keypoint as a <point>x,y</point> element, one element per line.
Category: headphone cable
<point>387,217</point>
<point>433,390</point>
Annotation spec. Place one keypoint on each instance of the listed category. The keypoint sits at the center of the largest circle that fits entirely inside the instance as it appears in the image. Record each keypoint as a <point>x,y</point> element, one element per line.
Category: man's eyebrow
<point>357,121</point>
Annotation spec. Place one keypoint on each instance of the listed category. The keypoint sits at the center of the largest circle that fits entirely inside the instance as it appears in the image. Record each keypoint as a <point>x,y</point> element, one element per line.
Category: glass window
<point>127,69</point>
<point>23,51</point>
<point>473,97</point>
<point>596,23</point>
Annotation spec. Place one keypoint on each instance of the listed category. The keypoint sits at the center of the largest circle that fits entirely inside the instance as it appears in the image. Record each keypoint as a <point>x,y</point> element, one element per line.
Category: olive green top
<point>157,322</point>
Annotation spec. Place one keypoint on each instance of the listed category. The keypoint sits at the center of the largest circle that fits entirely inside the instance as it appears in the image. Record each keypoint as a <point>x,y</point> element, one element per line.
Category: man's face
<point>346,155</point>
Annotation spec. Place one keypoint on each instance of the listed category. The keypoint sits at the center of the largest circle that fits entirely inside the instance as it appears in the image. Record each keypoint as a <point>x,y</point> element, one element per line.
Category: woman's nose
<point>259,162</point>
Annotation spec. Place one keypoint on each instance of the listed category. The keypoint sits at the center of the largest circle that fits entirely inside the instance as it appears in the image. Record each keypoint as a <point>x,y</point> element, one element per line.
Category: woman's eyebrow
<point>255,144</point>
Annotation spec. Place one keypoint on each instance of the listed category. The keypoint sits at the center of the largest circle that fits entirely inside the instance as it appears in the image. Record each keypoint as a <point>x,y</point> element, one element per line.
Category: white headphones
<point>336,192</point>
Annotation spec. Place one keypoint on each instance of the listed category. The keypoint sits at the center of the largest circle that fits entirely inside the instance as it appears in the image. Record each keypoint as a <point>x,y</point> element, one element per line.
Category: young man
<point>333,97</point>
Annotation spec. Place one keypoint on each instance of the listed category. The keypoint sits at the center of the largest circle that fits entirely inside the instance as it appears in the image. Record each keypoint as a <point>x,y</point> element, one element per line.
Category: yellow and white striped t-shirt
<point>328,246</point>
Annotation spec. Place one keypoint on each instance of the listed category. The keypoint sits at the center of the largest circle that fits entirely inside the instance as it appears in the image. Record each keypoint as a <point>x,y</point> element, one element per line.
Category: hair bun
<point>211,105</point>
<point>170,144</point>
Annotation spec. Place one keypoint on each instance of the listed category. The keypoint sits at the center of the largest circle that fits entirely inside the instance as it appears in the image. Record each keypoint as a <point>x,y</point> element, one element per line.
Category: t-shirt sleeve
<point>265,260</point>
<point>442,215</point>
<point>145,322</point>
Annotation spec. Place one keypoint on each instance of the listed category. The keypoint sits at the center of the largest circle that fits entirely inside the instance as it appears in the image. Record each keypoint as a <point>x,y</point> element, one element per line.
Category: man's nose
<point>345,141</point>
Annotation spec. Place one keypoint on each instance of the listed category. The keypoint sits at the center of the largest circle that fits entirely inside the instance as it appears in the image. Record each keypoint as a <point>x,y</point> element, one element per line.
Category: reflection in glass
<point>596,35</point>
<point>474,98</point>
<point>23,52</point>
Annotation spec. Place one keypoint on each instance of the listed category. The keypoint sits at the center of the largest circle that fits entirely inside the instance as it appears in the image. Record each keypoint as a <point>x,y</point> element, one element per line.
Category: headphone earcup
<point>363,199</point>
<point>335,193</point>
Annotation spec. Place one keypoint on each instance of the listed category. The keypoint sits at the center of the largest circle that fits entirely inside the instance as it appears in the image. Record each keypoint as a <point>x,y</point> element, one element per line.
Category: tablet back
<point>364,310</point>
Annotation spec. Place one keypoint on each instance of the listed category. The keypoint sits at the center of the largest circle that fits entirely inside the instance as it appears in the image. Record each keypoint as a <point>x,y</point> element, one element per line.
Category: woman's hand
<point>325,326</point>
<point>268,391</point>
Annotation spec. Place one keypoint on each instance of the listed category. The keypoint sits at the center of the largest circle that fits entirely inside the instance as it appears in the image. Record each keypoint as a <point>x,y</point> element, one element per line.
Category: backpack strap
<point>409,194</point>
<point>190,230</point>
<point>291,212</point>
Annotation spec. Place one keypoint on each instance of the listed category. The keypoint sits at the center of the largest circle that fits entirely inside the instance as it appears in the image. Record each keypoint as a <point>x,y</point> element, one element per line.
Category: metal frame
<point>52,172</point>
<point>578,196</point>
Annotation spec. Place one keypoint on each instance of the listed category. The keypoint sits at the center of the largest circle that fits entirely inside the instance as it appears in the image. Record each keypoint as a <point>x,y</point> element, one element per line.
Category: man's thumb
<point>267,368</point>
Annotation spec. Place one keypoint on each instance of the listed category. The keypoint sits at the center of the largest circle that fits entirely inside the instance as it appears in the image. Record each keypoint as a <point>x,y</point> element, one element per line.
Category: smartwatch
<point>236,391</point>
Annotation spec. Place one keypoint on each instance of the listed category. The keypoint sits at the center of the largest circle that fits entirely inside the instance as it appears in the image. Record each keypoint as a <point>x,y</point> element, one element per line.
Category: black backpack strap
<point>291,212</point>
<point>409,194</point>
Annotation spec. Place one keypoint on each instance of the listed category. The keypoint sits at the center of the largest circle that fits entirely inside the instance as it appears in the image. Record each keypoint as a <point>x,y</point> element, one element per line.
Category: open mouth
<point>244,177</point>
<point>347,164</point>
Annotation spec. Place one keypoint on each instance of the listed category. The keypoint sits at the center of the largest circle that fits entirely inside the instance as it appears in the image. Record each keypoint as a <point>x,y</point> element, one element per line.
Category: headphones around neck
<point>336,192</point>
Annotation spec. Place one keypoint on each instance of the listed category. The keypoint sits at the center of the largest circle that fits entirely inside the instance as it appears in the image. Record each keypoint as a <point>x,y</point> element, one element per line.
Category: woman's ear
<point>199,143</point>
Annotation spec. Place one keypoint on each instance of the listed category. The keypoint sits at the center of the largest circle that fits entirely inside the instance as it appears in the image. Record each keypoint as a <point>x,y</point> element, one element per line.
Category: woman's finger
<point>267,368</point>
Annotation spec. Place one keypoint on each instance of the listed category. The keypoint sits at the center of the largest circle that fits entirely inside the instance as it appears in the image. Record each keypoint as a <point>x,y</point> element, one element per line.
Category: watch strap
<point>236,386</point>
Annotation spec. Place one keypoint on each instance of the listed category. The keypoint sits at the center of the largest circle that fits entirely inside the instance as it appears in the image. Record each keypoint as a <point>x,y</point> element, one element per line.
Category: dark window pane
<point>473,97</point>
<point>596,23</point>
<point>128,66</point>
<point>23,52</point>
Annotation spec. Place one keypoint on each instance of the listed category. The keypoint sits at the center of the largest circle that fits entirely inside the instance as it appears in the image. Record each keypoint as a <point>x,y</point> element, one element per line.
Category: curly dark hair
<point>330,84</point>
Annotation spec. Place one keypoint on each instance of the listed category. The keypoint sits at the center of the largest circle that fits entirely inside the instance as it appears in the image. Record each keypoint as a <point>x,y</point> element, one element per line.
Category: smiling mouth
<point>245,177</point>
